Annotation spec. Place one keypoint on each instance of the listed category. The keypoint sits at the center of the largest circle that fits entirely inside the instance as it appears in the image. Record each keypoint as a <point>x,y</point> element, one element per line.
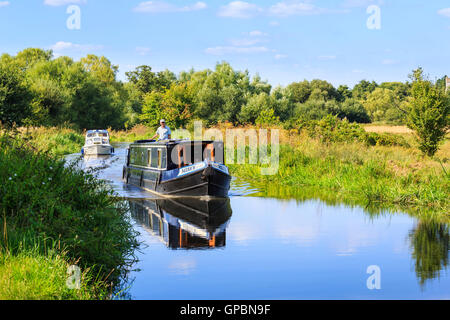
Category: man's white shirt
<point>163,133</point>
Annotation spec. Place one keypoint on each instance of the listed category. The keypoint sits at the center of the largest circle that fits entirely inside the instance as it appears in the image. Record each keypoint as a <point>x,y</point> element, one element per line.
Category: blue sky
<point>283,41</point>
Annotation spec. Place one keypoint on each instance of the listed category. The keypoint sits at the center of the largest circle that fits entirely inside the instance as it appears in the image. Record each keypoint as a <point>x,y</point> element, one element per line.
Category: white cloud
<point>280,56</point>
<point>246,42</point>
<point>274,23</point>
<point>143,51</point>
<point>284,9</point>
<point>299,8</point>
<point>4,3</point>
<point>361,3</point>
<point>69,47</point>
<point>357,71</point>
<point>327,57</point>
<point>256,33</point>
<point>220,51</point>
<point>239,9</point>
<point>161,6</point>
<point>445,12</point>
<point>56,3</point>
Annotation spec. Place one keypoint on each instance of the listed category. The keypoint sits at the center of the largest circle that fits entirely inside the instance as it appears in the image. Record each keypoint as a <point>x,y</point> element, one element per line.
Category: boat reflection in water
<point>184,223</point>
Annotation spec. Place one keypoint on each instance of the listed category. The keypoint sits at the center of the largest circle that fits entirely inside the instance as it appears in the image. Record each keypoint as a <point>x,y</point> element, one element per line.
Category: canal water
<point>263,248</point>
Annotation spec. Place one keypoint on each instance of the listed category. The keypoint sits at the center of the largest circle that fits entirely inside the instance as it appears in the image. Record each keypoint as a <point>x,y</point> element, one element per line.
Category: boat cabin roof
<point>171,143</point>
<point>97,131</point>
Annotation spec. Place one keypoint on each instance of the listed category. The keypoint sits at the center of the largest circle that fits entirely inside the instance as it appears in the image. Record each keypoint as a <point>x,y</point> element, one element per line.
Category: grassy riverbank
<point>52,216</point>
<point>55,141</point>
<point>351,172</point>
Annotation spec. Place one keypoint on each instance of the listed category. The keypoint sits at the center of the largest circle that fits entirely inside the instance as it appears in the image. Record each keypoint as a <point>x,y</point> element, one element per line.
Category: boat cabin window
<point>157,158</point>
<point>185,154</point>
<point>138,156</point>
<point>209,152</point>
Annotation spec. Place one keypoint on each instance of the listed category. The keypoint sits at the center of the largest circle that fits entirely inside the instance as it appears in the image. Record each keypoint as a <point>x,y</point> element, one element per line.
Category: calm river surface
<point>263,248</point>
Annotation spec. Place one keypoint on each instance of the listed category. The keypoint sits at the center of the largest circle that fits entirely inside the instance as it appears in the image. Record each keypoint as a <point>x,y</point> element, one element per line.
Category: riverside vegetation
<point>52,216</point>
<point>48,225</point>
<point>338,161</point>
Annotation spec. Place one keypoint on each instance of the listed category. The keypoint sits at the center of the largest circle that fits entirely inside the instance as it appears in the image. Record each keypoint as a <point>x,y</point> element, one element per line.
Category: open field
<point>387,129</point>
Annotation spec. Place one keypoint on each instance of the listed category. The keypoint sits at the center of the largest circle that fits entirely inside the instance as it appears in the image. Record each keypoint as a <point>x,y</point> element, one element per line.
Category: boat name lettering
<point>190,169</point>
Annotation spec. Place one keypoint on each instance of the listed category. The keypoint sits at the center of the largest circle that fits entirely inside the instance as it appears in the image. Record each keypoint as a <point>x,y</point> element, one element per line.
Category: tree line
<point>37,89</point>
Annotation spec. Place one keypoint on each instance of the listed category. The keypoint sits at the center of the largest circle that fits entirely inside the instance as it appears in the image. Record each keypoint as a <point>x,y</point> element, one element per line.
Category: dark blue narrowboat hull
<point>201,179</point>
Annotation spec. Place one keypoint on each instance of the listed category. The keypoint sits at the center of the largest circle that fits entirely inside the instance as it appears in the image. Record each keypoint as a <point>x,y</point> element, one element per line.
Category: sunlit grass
<point>380,176</point>
<point>30,275</point>
<point>45,200</point>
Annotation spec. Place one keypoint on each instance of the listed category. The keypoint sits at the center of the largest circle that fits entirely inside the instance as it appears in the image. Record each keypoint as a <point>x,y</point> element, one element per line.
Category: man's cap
<point>162,120</point>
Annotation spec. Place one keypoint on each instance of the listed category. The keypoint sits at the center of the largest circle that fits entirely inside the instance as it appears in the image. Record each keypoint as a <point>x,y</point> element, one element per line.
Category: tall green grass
<point>56,141</point>
<point>31,275</point>
<point>44,200</point>
<point>354,173</point>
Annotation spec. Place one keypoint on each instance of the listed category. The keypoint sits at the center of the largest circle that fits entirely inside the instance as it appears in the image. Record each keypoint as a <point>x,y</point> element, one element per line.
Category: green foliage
<point>350,109</point>
<point>43,199</point>
<point>87,95</point>
<point>363,89</point>
<point>14,96</point>
<point>344,93</point>
<point>267,118</point>
<point>383,104</point>
<point>300,91</point>
<point>147,81</point>
<point>351,173</point>
<point>428,114</point>
<point>174,105</point>
<point>57,142</point>
<point>331,129</point>
<point>31,275</point>
<point>57,91</point>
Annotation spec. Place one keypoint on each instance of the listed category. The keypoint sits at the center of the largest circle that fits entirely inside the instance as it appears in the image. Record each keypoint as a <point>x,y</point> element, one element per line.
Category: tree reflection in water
<point>430,243</point>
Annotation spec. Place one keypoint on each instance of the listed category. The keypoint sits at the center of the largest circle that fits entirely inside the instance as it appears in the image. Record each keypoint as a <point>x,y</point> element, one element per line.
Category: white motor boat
<point>97,143</point>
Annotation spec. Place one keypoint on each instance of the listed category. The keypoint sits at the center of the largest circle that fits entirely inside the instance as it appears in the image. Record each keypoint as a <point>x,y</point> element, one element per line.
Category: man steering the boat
<point>163,131</point>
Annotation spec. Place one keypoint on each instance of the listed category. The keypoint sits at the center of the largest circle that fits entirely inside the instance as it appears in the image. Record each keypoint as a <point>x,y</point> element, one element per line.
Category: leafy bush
<point>332,129</point>
<point>428,114</point>
<point>14,96</point>
<point>45,199</point>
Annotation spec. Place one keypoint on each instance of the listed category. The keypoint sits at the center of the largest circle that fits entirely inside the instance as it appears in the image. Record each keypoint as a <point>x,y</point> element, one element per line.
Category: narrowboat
<point>97,143</point>
<point>184,223</point>
<point>178,168</point>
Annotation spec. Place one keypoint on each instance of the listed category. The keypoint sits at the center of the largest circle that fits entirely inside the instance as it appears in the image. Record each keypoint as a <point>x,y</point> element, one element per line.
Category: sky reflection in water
<point>279,249</point>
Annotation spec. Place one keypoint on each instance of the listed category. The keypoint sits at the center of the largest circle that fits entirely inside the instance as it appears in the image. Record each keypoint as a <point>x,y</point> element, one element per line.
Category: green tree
<point>299,91</point>
<point>344,93</point>
<point>352,110</point>
<point>363,89</point>
<point>323,90</point>
<point>143,78</point>
<point>14,96</point>
<point>100,67</point>
<point>152,110</point>
<point>428,113</point>
<point>177,104</point>
<point>28,57</point>
<point>255,105</point>
<point>267,117</point>
<point>379,101</point>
